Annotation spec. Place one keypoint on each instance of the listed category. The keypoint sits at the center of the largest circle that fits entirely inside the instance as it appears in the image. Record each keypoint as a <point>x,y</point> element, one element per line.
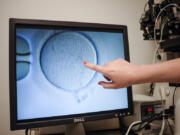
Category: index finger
<point>95,67</point>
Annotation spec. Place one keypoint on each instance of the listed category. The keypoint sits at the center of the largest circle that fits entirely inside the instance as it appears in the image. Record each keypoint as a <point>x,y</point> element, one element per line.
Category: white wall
<point>99,11</point>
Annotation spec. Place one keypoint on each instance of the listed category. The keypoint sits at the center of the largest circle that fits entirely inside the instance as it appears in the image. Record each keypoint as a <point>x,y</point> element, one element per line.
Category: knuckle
<point>109,72</point>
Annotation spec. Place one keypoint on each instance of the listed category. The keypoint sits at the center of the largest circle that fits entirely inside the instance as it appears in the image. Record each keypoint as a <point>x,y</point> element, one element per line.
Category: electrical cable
<point>170,127</point>
<point>151,90</point>
<point>145,125</point>
<point>132,124</point>
<point>164,22</point>
<point>161,10</point>
<point>161,37</point>
<point>163,122</point>
<point>148,121</point>
<point>156,50</point>
<point>163,125</point>
<point>155,40</point>
<point>174,96</point>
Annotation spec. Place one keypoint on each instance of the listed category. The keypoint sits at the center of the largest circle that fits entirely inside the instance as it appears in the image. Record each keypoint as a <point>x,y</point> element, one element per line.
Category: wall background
<point>125,12</point>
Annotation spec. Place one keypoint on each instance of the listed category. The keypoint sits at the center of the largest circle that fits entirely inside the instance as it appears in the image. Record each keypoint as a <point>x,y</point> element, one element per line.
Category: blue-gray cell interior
<point>22,55</point>
<point>62,59</point>
<point>22,46</point>
<point>22,69</point>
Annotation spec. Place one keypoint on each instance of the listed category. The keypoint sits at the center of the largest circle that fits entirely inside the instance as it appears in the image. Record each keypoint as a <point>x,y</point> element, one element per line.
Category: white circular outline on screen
<point>96,62</point>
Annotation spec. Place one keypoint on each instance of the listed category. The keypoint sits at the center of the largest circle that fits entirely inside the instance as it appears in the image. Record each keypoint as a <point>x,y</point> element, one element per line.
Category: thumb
<point>107,85</point>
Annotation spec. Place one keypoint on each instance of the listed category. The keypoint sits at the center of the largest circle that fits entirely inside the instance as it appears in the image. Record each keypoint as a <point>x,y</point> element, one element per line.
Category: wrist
<point>143,74</point>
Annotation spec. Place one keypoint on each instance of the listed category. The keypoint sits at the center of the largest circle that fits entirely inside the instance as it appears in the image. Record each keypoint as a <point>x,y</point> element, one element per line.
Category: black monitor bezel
<point>41,122</point>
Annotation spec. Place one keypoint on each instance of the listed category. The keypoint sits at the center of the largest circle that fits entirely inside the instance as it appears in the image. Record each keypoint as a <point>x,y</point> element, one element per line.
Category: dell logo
<point>76,120</point>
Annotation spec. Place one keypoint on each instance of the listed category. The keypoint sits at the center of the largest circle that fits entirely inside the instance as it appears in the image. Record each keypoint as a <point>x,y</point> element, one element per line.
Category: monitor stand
<point>75,129</point>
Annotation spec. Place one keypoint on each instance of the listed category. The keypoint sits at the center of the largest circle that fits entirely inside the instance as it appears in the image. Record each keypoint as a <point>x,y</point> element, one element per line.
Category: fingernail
<point>99,83</point>
<point>84,62</point>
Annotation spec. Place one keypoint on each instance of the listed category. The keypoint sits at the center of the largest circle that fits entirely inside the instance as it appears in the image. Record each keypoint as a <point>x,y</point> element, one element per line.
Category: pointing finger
<point>94,67</point>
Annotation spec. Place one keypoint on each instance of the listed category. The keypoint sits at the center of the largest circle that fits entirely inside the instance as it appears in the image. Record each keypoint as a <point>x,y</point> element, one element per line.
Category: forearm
<point>162,72</point>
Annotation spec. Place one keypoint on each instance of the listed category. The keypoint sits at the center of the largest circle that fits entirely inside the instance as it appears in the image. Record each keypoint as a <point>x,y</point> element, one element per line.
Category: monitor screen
<point>51,80</point>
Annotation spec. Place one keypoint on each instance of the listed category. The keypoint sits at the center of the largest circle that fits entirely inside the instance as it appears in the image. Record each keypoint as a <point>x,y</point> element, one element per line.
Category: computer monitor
<point>49,84</point>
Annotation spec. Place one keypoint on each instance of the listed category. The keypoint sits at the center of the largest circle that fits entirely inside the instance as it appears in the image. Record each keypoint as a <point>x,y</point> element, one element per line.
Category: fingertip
<point>107,85</point>
<point>100,83</point>
<point>88,65</point>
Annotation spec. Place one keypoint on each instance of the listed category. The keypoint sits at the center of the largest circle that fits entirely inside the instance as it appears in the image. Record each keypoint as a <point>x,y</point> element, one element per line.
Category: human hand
<point>119,73</point>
